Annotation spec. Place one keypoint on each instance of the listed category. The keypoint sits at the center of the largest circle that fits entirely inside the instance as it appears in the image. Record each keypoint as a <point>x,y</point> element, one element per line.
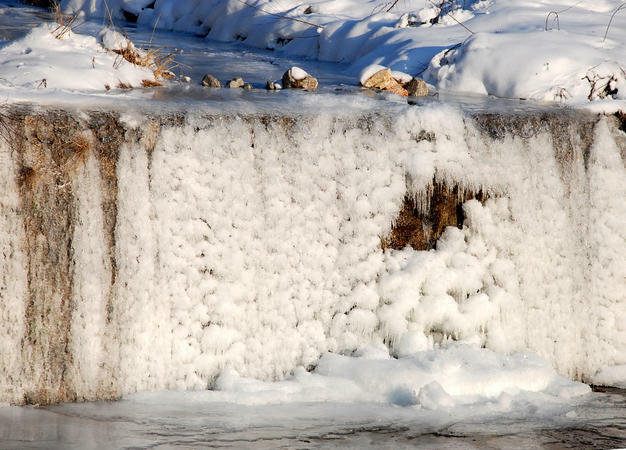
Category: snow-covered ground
<point>562,51</point>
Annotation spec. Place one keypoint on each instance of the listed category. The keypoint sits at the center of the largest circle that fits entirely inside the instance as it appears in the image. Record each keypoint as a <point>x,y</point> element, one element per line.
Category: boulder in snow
<point>416,88</point>
<point>297,78</point>
<point>383,81</point>
<point>210,81</point>
<point>236,82</point>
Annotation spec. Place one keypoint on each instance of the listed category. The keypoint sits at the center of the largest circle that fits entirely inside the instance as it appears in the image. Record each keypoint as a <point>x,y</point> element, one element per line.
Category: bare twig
<point>281,16</point>
<point>9,124</point>
<point>619,8</point>
<point>450,15</point>
<point>556,18</point>
<point>556,15</point>
<point>392,5</point>
<point>153,30</point>
<point>66,23</point>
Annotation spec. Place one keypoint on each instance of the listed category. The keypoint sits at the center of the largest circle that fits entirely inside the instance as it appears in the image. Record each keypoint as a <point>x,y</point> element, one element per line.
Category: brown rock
<point>307,82</point>
<point>380,80</point>
<point>396,88</point>
<point>384,81</point>
<point>236,82</point>
<point>210,81</point>
<point>416,88</point>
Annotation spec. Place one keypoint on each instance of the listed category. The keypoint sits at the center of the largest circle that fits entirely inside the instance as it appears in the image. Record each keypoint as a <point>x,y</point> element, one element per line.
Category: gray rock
<point>236,83</point>
<point>210,81</point>
<point>416,88</point>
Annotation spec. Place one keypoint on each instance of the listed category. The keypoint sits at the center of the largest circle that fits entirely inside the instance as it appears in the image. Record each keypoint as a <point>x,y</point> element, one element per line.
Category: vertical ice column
<point>91,279</point>
<point>142,310</point>
<point>605,330</point>
<point>13,281</point>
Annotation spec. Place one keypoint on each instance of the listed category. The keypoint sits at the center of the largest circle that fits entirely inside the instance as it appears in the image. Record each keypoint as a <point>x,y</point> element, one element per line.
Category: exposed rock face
<point>291,82</point>
<point>420,226</point>
<point>416,88</point>
<point>210,81</point>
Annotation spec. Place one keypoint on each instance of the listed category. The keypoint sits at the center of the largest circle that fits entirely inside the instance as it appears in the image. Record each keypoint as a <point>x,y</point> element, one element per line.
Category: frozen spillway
<point>152,252</point>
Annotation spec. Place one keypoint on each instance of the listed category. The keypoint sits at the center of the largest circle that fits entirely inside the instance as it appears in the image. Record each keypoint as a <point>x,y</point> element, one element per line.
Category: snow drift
<point>555,50</point>
<point>146,253</point>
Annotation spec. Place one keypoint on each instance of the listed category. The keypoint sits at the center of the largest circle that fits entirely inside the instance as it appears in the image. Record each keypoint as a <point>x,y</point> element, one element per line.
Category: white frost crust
<point>13,281</point>
<point>260,258</point>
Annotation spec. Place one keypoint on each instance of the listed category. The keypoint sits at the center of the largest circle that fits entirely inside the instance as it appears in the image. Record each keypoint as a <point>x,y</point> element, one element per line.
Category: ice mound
<point>449,376</point>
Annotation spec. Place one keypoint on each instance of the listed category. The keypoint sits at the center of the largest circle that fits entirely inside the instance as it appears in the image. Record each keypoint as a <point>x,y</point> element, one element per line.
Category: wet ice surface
<point>191,419</point>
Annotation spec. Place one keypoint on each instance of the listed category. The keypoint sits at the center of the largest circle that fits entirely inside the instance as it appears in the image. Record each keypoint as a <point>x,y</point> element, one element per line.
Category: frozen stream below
<point>194,419</point>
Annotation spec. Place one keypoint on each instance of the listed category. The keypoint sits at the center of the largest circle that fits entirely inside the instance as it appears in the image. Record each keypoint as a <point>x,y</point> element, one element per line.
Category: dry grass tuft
<point>161,65</point>
<point>150,83</point>
<point>66,22</point>
<point>123,85</point>
<point>136,57</point>
<point>164,65</point>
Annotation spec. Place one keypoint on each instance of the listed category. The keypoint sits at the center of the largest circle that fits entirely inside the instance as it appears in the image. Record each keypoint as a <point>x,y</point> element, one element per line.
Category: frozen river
<point>192,419</point>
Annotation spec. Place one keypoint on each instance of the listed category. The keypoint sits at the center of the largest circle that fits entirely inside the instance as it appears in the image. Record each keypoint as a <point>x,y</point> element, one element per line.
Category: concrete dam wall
<point>145,251</point>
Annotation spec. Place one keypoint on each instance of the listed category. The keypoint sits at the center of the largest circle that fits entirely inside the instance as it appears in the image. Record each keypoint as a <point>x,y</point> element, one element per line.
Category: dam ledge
<point>104,200</point>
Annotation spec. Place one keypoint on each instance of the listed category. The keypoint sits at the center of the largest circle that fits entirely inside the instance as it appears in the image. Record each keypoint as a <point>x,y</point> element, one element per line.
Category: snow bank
<point>511,48</point>
<point>450,377</point>
<point>75,62</point>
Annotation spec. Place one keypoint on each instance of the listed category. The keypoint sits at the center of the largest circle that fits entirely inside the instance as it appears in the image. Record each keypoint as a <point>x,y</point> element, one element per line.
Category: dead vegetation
<point>66,23</point>
<point>162,65</point>
<point>9,124</point>
<point>602,85</point>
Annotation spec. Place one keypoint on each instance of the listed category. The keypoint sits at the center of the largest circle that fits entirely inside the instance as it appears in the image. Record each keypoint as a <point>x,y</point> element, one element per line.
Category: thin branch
<point>392,5</point>
<point>556,14</point>
<point>556,18</point>
<point>153,30</point>
<point>450,15</point>
<point>619,8</point>
<point>280,15</point>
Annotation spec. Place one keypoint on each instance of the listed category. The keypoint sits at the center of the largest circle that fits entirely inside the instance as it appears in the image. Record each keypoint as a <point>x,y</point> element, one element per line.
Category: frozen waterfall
<point>152,253</point>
